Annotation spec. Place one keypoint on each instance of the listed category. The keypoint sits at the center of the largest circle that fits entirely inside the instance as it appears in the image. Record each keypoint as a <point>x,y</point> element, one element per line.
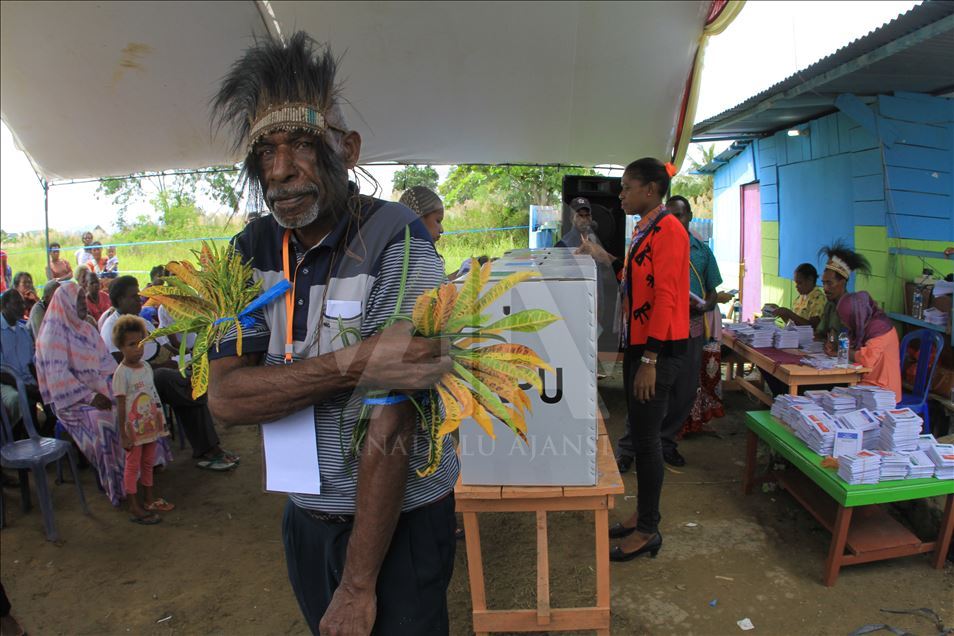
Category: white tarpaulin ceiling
<point>98,89</point>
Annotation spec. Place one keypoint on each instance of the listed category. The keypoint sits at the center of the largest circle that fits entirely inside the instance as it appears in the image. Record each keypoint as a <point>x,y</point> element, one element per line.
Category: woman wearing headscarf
<point>73,368</point>
<point>428,206</point>
<point>873,342</point>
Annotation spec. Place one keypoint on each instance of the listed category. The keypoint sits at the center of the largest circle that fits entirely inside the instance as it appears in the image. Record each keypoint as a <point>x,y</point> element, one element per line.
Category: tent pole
<point>46,216</point>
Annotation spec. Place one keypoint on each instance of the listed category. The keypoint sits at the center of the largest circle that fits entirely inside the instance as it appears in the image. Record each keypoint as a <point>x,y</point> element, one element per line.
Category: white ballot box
<point>561,430</point>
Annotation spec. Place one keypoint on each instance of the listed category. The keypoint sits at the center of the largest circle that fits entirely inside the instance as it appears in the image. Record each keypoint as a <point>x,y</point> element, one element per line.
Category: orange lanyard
<point>289,300</point>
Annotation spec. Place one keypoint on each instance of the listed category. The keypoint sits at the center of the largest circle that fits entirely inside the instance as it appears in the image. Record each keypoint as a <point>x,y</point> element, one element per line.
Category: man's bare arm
<point>242,392</point>
<point>382,479</point>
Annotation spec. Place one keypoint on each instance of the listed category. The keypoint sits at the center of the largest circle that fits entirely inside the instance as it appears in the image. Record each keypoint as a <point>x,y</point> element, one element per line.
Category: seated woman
<point>428,207</point>
<point>58,269</point>
<point>810,304</point>
<point>23,283</point>
<point>73,368</point>
<point>873,342</point>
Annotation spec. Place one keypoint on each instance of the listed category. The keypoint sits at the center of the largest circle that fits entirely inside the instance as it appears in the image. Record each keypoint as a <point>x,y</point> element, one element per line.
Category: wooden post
<point>543,570</point>
<point>839,536</point>
<point>751,457</point>
<point>943,543</point>
<point>475,562</point>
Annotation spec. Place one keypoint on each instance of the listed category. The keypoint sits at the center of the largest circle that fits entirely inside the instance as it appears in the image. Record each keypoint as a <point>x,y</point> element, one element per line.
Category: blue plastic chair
<point>930,343</point>
<point>34,454</point>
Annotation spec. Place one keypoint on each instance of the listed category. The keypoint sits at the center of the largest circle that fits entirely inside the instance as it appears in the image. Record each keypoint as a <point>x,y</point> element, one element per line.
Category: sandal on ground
<point>148,520</point>
<point>229,456</point>
<point>216,463</point>
<point>160,505</point>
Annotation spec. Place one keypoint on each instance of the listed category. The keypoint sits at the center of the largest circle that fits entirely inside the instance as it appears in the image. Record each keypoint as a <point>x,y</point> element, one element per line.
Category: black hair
<point>7,297</point>
<point>95,244</point>
<point>649,170</point>
<point>855,261</point>
<point>807,271</point>
<point>20,276</point>
<point>54,246</point>
<point>683,200</point>
<point>120,287</point>
<point>158,270</point>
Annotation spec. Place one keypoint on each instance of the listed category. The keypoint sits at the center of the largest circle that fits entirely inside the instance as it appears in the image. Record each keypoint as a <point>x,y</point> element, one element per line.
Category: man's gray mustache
<point>289,193</point>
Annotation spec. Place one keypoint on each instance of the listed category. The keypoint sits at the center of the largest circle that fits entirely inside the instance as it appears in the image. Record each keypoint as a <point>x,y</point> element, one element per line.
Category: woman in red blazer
<point>654,289</point>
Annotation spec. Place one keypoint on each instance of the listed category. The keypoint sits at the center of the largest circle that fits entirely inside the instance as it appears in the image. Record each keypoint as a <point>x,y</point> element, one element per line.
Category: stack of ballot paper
<point>860,420</point>
<point>893,465</point>
<point>836,404</point>
<point>920,465</point>
<point>863,467</point>
<point>874,398</point>
<point>935,317</point>
<point>816,395</point>
<point>787,408</point>
<point>943,457</point>
<point>786,339</point>
<point>819,361</point>
<point>847,441</point>
<point>900,430</point>
<point>817,430</point>
<point>806,336</point>
<point>925,440</point>
<point>813,348</point>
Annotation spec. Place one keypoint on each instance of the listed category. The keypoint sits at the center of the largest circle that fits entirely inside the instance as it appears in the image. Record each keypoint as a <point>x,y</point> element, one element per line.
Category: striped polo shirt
<point>360,262</point>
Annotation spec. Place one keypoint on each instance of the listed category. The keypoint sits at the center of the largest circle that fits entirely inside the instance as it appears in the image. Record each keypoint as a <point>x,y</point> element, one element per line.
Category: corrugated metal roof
<point>723,158</point>
<point>914,52</point>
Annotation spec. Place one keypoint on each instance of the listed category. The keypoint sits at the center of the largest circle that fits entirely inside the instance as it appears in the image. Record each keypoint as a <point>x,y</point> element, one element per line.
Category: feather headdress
<point>843,260</point>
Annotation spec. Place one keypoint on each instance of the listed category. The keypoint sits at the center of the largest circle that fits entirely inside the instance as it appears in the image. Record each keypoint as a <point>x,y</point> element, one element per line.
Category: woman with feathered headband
<point>374,548</point>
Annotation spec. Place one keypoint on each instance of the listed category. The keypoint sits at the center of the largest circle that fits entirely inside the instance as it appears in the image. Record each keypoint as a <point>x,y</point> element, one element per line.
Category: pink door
<point>750,273</point>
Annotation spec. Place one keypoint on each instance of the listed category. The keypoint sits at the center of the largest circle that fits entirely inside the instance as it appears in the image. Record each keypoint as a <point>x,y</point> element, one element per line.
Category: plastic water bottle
<point>737,312</point>
<point>843,348</point>
<point>917,304</point>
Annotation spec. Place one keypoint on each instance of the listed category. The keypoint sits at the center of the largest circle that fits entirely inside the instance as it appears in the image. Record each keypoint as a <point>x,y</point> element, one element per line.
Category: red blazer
<point>658,280</point>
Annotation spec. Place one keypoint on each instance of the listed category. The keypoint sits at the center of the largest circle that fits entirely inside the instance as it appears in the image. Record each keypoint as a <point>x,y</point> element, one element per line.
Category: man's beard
<point>295,220</point>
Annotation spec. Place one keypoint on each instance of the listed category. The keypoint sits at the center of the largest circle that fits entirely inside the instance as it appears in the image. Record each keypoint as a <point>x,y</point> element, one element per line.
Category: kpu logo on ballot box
<point>561,429</point>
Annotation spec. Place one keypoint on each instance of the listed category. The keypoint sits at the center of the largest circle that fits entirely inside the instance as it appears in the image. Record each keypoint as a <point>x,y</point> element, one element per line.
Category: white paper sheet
<point>291,454</point>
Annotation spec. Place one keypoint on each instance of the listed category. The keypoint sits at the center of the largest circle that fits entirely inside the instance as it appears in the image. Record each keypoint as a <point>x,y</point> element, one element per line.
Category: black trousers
<point>642,441</point>
<point>176,391</point>
<point>412,584</point>
<point>683,394</point>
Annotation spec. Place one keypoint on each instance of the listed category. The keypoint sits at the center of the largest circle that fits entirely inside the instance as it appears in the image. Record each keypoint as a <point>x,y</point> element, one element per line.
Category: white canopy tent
<point>99,89</point>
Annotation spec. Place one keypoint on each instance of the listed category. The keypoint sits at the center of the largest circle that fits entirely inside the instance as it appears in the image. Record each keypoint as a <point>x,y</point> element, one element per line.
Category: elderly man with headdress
<point>375,549</point>
<point>842,262</point>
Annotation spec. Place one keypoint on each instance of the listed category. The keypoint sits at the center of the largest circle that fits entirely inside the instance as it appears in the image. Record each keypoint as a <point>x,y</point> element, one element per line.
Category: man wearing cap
<point>583,225</point>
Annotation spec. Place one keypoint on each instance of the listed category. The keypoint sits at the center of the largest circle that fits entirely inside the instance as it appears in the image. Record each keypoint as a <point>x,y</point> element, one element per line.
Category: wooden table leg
<point>943,543</point>
<point>839,536</point>
<point>475,563</point>
<point>602,564</point>
<point>793,389</point>
<point>751,457</point>
<point>543,570</point>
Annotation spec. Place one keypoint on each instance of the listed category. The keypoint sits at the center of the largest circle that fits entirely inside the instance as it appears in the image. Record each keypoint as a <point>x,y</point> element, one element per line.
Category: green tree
<point>696,187</point>
<point>172,191</point>
<point>515,187</point>
<point>411,176</point>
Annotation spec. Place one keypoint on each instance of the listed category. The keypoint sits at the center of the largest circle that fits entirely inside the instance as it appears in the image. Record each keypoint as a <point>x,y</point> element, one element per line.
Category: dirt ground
<point>216,566</point>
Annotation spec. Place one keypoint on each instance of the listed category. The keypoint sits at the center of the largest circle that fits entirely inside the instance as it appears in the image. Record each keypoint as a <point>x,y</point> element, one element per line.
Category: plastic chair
<point>35,454</point>
<point>930,343</point>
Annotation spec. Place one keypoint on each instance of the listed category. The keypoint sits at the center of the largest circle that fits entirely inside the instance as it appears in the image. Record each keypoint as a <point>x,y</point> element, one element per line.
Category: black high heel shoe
<point>652,548</point>
<point>618,531</point>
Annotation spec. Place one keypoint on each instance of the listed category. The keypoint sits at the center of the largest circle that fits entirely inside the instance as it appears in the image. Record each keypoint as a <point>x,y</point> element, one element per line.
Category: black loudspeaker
<point>603,194</point>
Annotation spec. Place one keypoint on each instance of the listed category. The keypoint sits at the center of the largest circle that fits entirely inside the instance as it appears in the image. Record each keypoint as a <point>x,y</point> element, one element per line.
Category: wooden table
<point>850,513</point>
<point>794,375</point>
<point>541,500</point>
